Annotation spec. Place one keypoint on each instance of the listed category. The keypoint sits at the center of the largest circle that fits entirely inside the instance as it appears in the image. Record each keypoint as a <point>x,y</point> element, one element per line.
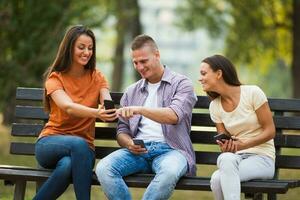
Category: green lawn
<point>6,192</point>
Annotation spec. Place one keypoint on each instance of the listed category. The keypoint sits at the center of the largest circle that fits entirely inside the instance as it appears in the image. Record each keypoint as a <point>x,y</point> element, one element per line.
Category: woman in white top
<point>243,113</point>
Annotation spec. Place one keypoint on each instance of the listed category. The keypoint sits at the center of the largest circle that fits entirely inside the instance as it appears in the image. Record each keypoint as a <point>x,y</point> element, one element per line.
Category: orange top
<point>85,91</point>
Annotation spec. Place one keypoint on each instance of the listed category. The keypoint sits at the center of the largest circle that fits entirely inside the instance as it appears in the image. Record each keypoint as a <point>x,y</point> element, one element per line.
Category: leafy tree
<point>127,14</point>
<point>260,33</point>
<point>29,37</point>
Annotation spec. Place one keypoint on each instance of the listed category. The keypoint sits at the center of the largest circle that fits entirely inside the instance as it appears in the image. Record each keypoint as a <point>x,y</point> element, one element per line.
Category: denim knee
<point>103,171</point>
<point>64,168</point>
<point>79,144</point>
<point>172,174</point>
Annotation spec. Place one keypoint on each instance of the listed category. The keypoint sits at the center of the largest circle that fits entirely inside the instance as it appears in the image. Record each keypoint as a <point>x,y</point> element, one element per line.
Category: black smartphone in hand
<point>109,104</point>
<point>222,136</point>
<point>139,142</point>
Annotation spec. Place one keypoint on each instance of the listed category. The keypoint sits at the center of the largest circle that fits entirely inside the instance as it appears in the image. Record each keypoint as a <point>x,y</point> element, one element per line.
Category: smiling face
<point>83,50</point>
<point>146,61</point>
<point>208,77</point>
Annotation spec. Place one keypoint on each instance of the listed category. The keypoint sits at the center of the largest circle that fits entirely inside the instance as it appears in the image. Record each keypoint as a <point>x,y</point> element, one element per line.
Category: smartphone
<point>139,142</point>
<point>222,136</point>
<point>109,104</point>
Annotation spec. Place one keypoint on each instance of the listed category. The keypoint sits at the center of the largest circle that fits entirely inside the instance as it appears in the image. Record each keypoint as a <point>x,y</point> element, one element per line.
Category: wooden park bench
<point>30,119</point>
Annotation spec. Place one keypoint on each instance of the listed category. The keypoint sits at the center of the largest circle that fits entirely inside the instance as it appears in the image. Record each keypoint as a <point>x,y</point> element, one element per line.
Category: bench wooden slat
<point>203,184</point>
<point>199,119</point>
<point>287,122</point>
<point>33,130</point>
<point>288,162</point>
<point>28,130</point>
<point>36,94</point>
<point>202,157</point>
<point>101,152</point>
<point>284,105</point>
<point>291,183</point>
<point>202,102</point>
<point>29,94</point>
<point>116,96</point>
<point>21,148</point>
<point>31,112</point>
<point>109,133</point>
<point>283,121</point>
<point>288,141</point>
<point>276,104</point>
<point>142,180</point>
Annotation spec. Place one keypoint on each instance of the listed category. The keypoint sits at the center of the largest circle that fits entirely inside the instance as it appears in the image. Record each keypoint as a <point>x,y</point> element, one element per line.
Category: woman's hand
<point>233,145</point>
<point>227,145</point>
<point>106,115</point>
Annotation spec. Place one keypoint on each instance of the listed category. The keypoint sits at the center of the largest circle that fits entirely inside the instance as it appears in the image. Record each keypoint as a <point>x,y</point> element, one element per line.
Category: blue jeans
<point>167,164</point>
<point>72,160</point>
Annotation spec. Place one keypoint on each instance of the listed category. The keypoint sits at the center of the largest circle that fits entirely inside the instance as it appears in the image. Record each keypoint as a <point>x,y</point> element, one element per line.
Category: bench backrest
<point>31,118</point>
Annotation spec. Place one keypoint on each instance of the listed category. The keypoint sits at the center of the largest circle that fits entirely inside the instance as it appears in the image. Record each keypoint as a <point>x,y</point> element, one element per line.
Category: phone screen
<point>139,142</point>
<point>222,136</point>
<point>109,104</point>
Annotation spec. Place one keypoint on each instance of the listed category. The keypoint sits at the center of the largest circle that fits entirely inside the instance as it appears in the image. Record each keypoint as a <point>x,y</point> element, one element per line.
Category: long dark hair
<point>64,56</point>
<point>218,62</point>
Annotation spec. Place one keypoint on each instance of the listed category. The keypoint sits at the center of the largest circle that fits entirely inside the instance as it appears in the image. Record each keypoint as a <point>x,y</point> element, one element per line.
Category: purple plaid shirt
<point>176,92</point>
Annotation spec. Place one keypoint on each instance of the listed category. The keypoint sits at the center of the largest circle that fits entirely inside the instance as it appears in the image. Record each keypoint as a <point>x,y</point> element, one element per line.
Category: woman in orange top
<point>73,91</point>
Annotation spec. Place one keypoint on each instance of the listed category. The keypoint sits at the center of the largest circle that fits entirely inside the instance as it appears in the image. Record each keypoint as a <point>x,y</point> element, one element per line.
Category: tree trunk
<point>118,61</point>
<point>136,28</point>
<point>9,110</point>
<point>128,16</point>
<point>296,49</point>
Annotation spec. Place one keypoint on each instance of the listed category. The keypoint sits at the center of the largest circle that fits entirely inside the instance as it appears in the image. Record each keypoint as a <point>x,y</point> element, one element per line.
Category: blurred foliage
<point>30,33</point>
<point>128,25</point>
<point>258,34</point>
<point>32,29</point>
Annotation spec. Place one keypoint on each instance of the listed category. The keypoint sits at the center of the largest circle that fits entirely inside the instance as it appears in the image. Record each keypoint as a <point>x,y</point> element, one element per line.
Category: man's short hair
<point>143,40</point>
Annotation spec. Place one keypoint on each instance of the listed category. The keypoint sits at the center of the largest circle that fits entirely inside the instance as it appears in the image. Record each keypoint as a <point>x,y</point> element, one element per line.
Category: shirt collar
<point>167,76</point>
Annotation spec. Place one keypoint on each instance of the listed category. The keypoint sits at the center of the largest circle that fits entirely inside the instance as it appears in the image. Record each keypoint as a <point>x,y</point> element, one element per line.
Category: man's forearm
<point>124,140</point>
<point>160,115</point>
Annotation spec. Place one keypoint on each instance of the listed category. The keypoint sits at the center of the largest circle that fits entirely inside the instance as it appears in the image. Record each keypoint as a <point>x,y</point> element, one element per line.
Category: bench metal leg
<point>255,196</point>
<point>258,196</point>
<point>20,190</point>
<point>272,196</point>
<point>39,185</point>
<point>8,183</point>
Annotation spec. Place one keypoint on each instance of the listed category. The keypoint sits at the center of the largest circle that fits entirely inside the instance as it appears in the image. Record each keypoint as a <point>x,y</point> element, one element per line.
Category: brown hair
<point>218,62</point>
<point>64,56</point>
<point>143,40</point>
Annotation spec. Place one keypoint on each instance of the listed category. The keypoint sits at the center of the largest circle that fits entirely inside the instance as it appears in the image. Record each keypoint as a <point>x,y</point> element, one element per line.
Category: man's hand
<point>128,112</point>
<point>135,149</point>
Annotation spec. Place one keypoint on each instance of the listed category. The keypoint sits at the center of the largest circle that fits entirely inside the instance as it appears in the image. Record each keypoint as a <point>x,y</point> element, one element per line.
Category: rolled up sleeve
<point>123,124</point>
<point>184,99</point>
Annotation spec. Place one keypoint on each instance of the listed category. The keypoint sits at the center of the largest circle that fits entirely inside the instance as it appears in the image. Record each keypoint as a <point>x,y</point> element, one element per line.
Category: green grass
<point>6,192</point>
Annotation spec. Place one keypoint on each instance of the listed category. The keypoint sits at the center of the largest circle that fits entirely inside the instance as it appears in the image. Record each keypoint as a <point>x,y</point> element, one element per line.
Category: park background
<point>261,37</point>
